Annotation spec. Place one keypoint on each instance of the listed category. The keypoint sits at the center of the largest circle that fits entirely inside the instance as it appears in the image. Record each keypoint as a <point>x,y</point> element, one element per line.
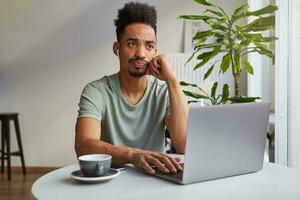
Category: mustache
<point>138,59</point>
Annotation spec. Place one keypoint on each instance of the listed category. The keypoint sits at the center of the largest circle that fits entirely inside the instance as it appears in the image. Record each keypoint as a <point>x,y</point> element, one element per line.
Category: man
<point>128,111</point>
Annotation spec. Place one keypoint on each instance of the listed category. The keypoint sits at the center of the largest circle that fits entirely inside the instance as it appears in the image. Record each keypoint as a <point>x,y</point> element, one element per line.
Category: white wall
<point>50,49</point>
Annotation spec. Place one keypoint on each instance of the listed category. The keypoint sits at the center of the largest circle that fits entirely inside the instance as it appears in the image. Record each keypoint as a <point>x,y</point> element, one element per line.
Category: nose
<point>140,52</point>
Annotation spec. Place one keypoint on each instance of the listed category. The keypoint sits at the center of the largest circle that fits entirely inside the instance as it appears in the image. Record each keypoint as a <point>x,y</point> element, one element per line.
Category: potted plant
<point>233,43</point>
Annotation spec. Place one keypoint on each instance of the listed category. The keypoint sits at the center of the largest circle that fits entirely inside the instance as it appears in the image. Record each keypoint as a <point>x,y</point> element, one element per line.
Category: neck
<point>133,87</point>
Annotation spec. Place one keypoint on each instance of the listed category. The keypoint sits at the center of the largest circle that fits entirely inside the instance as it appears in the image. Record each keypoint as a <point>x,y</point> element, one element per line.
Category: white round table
<point>271,183</point>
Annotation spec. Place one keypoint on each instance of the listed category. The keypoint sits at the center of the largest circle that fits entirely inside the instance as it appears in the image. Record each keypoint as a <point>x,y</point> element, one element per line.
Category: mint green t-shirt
<point>122,124</point>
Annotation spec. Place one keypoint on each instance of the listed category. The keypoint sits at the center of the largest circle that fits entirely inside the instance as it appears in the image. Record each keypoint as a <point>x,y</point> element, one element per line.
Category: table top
<point>272,182</point>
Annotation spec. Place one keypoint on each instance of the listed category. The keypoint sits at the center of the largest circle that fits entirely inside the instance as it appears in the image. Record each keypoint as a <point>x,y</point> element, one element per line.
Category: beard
<point>138,73</point>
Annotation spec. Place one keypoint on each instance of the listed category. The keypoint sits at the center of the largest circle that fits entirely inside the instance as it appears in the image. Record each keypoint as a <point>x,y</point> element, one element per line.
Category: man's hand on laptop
<point>148,160</point>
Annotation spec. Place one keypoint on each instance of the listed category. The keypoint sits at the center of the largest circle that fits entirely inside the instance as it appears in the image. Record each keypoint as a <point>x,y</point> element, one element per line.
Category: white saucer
<point>79,176</point>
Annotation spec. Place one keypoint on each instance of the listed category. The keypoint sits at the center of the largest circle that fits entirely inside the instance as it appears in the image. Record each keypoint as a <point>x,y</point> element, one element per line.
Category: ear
<point>116,47</point>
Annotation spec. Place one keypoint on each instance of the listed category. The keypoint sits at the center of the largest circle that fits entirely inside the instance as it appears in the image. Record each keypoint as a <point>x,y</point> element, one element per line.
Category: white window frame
<point>281,82</point>
<point>293,85</point>
<point>287,117</point>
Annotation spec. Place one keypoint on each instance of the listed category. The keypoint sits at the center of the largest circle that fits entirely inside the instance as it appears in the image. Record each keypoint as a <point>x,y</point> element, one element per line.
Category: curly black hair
<point>135,12</point>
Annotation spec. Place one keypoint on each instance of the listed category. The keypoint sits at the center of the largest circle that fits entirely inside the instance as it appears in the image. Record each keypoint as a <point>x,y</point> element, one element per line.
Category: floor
<point>19,187</point>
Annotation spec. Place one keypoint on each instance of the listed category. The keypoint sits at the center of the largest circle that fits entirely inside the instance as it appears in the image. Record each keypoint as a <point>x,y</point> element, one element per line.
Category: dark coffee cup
<point>94,165</point>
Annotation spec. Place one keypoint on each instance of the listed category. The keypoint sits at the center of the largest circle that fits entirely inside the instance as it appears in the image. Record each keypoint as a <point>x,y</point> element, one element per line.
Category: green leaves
<point>194,95</point>
<point>206,46</point>
<point>190,58</point>
<point>224,97</point>
<point>213,98</point>
<point>203,62</point>
<point>203,34</point>
<point>247,67</point>
<point>257,38</point>
<point>206,56</point>
<point>260,24</point>
<point>263,49</point>
<point>182,83</point>
<point>204,2</point>
<point>196,17</point>
<point>225,63</point>
<point>259,44</point>
<point>217,24</point>
<point>225,93</point>
<point>213,90</point>
<point>240,12</point>
<point>268,39</point>
<point>266,10</point>
<point>219,14</point>
<point>241,99</point>
<point>206,75</point>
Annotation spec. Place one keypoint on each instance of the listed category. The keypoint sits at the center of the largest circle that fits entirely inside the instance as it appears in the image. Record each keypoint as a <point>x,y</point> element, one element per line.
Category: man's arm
<point>87,141</point>
<point>176,122</point>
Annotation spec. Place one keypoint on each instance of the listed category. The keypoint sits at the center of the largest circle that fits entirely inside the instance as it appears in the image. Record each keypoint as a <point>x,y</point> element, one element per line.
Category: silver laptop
<point>223,141</point>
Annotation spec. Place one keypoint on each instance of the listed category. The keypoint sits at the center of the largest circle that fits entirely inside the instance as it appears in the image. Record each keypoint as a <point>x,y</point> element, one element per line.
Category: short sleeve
<point>91,103</point>
<point>168,107</point>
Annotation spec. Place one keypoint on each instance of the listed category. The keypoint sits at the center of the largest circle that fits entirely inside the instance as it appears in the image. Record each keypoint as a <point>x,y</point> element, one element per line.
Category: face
<point>136,49</point>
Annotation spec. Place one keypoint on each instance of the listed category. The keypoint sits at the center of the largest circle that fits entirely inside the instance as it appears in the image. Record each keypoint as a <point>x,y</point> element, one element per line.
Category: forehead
<point>139,31</point>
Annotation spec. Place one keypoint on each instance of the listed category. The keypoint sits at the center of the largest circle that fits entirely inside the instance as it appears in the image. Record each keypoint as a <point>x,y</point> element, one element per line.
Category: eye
<point>131,44</point>
<point>150,46</point>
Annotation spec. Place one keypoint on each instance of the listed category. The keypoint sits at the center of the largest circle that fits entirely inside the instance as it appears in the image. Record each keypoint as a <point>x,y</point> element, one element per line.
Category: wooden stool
<point>5,142</point>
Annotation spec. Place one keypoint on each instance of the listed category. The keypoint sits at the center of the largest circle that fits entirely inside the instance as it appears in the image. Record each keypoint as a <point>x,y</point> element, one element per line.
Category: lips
<point>138,63</point>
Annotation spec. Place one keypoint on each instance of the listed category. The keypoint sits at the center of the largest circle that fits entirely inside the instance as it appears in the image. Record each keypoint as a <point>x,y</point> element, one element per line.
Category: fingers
<point>164,163</point>
<point>156,63</point>
<point>153,69</point>
<point>160,161</point>
<point>178,159</point>
<point>175,162</point>
<point>160,68</point>
<point>146,166</point>
<point>156,162</point>
<point>169,164</point>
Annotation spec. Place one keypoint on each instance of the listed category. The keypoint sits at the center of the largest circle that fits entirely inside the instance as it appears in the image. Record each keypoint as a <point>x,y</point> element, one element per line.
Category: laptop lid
<point>225,140</point>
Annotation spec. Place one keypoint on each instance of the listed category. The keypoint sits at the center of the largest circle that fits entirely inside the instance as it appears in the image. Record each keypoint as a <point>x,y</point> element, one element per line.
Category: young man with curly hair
<point>125,114</point>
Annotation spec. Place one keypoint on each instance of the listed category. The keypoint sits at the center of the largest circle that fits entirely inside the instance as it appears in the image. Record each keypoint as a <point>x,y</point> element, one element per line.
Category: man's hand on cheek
<point>160,68</point>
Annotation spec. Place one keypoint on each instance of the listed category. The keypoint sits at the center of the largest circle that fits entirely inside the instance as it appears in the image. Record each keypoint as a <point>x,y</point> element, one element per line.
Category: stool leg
<point>19,140</point>
<point>7,136</point>
<point>3,132</point>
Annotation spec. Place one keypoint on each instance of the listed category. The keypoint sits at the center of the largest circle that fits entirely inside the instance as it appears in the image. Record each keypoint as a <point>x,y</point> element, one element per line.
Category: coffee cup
<point>94,165</point>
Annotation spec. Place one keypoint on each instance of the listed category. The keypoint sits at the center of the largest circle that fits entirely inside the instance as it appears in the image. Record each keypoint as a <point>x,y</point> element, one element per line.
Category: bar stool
<point>6,154</point>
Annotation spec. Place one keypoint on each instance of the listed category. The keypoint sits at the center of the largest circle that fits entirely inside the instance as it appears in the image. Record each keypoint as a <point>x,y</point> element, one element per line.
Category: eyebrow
<point>136,40</point>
